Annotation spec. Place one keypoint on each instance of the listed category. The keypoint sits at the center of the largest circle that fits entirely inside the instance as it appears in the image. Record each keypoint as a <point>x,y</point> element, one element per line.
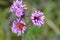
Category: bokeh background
<point>49,31</point>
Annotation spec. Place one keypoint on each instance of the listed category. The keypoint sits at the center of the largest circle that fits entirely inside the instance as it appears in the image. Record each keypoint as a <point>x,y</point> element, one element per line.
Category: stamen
<point>20,26</point>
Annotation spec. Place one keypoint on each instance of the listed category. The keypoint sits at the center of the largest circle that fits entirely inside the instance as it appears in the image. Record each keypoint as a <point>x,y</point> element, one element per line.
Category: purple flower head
<point>38,18</point>
<point>18,8</point>
<point>18,27</point>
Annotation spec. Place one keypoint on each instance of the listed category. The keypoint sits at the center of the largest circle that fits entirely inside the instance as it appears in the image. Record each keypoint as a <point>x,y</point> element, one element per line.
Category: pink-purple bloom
<point>18,27</point>
<point>38,18</point>
<point>18,8</point>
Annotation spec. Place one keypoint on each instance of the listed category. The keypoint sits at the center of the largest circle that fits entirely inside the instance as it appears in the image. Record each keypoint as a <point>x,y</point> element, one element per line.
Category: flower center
<point>20,26</point>
<point>36,18</point>
<point>18,6</point>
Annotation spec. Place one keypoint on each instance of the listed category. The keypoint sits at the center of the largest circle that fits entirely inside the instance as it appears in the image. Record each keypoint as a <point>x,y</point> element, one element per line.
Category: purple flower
<point>38,18</point>
<point>18,8</point>
<point>18,27</point>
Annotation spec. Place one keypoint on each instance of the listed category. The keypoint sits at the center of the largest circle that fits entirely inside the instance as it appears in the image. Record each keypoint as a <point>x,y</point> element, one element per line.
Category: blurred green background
<point>49,31</point>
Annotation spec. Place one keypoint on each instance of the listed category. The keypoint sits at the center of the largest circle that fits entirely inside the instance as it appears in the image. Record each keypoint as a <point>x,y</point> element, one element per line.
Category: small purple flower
<point>38,18</point>
<point>18,8</point>
<point>18,27</point>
